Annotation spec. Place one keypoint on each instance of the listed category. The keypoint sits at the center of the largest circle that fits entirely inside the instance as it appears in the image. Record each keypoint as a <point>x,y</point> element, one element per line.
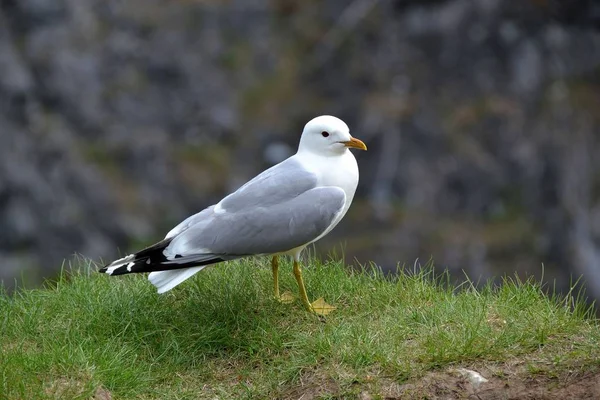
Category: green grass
<point>221,335</point>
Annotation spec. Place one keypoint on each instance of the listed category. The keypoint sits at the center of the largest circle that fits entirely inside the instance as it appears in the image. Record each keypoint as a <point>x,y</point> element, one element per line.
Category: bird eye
<point>325,133</point>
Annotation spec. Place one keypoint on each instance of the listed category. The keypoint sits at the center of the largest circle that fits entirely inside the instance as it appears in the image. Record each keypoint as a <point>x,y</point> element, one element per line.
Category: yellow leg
<point>318,306</point>
<point>285,297</point>
<point>300,280</point>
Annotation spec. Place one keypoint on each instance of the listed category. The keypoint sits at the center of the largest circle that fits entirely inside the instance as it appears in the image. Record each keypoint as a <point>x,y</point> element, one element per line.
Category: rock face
<point>119,118</point>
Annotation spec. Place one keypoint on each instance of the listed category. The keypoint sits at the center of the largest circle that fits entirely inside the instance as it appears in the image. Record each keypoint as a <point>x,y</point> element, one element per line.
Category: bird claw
<point>286,297</point>
<point>320,307</point>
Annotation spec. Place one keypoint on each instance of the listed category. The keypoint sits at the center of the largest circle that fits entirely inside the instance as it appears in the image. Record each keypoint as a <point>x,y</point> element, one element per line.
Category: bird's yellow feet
<point>320,307</point>
<point>286,297</point>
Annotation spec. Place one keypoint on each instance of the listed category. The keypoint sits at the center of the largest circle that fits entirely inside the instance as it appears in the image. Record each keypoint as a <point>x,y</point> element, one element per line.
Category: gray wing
<point>278,184</point>
<point>190,221</point>
<point>259,229</point>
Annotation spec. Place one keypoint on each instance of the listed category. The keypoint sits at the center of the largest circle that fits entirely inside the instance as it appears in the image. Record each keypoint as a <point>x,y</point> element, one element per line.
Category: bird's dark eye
<point>325,133</point>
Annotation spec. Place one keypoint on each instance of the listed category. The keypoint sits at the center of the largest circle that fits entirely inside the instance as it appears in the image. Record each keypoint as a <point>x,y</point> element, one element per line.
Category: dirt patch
<point>74,387</point>
<point>496,382</point>
<point>450,385</point>
<point>102,394</point>
<point>312,386</point>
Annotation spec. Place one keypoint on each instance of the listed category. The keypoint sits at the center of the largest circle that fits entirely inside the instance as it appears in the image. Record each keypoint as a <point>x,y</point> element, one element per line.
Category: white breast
<point>341,171</point>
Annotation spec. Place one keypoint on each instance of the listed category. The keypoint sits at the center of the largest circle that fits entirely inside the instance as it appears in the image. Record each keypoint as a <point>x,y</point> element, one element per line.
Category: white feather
<point>219,208</point>
<point>119,263</point>
<point>167,280</point>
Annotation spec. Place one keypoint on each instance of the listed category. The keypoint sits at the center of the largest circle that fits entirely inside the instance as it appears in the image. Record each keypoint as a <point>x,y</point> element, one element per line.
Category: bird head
<point>328,135</point>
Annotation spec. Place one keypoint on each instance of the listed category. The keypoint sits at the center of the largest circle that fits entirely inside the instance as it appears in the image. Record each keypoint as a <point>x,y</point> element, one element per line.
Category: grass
<point>221,335</point>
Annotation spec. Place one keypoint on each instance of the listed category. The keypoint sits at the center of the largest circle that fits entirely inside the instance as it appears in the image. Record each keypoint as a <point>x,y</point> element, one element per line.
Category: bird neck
<point>331,168</point>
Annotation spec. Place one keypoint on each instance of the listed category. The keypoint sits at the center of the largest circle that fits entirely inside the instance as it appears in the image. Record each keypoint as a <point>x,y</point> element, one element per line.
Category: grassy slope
<point>222,335</point>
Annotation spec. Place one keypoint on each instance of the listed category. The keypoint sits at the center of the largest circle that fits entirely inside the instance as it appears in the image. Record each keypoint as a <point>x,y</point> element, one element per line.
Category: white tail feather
<point>119,263</point>
<point>167,280</point>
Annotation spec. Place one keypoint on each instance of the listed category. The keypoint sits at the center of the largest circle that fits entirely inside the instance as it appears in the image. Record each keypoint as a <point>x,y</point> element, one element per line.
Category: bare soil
<point>505,382</point>
<point>451,386</point>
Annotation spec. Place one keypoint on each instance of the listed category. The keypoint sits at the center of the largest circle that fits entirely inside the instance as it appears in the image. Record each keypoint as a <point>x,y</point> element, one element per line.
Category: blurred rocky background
<point>118,118</point>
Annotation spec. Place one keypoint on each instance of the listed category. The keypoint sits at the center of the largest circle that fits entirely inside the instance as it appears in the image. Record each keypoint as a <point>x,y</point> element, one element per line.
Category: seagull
<point>279,212</point>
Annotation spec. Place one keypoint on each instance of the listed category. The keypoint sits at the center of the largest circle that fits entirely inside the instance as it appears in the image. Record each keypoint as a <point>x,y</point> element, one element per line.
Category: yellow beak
<point>355,144</point>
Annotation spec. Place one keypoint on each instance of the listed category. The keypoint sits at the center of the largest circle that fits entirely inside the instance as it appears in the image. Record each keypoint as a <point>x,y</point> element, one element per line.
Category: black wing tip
<point>121,271</point>
<point>153,259</point>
